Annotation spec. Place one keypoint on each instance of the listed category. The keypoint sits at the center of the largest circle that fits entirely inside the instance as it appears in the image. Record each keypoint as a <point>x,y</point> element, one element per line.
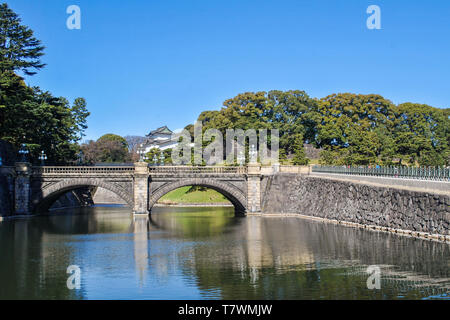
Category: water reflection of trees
<point>36,252</point>
<point>194,223</point>
<point>224,256</point>
<point>292,258</point>
<point>33,265</point>
<point>289,258</point>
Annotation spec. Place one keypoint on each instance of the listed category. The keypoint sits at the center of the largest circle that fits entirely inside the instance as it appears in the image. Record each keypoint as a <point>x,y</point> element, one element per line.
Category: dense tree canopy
<point>30,115</point>
<point>352,129</point>
<point>109,148</point>
<point>42,121</point>
<point>293,113</point>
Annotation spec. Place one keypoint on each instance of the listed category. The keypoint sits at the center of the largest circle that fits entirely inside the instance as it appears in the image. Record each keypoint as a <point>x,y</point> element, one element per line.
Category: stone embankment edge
<point>407,233</point>
<point>17,217</point>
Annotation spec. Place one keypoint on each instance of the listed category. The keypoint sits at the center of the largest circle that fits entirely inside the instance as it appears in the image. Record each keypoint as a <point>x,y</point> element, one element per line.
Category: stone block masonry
<point>358,203</point>
<point>141,185</point>
<point>28,190</point>
<point>104,196</point>
<point>254,188</point>
<point>22,188</point>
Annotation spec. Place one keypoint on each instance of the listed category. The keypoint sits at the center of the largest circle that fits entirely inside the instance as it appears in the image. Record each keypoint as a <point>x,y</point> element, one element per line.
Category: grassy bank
<point>187,195</point>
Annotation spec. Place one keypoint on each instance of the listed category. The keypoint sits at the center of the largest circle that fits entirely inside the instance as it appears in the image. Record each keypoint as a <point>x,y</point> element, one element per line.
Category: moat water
<point>208,253</point>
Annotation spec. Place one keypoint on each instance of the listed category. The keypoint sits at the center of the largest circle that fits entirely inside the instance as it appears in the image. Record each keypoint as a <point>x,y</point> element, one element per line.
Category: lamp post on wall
<point>23,152</point>
<point>253,154</point>
<point>80,158</point>
<point>241,158</point>
<point>141,152</point>
<point>42,157</point>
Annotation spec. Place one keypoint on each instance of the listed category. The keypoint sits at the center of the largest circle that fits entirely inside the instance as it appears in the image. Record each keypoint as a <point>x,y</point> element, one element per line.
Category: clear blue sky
<point>142,64</point>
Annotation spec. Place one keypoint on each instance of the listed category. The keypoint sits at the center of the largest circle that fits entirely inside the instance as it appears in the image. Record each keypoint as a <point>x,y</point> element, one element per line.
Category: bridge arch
<point>42,201</point>
<point>231,192</point>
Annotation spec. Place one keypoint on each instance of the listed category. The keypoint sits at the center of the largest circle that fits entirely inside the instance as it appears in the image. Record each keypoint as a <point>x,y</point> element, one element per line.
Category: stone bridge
<point>405,206</point>
<point>140,186</point>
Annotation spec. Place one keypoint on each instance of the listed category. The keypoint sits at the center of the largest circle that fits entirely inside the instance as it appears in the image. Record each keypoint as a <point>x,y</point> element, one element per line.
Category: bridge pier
<point>141,188</point>
<point>253,188</point>
<point>22,188</point>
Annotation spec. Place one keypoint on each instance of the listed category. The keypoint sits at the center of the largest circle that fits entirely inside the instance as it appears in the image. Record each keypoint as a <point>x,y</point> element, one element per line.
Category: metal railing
<point>83,170</point>
<point>421,173</point>
<point>199,169</point>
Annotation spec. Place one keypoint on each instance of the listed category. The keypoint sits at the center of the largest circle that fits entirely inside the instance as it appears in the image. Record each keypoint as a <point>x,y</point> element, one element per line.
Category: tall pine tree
<point>19,49</point>
<point>30,115</point>
<point>299,151</point>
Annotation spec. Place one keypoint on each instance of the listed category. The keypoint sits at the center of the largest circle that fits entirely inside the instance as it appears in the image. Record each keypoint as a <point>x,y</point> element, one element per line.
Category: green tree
<point>291,112</point>
<point>19,49</point>
<point>157,152</point>
<point>115,138</point>
<point>351,129</point>
<point>152,155</point>
<point>422,134</point>
<point>30,115</point>
<point>80,114</point>
<point>168,156</point>
<point>299,153</point>
<point>352,126</point>
<point>38,119</point>
<point>113,148</point>
<point>109,148</point>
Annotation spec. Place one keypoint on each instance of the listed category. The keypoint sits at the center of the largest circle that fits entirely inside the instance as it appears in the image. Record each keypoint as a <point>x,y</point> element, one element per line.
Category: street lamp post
<point>80,158</point>
<point>155,160</point>
<point>253,154</point>
<point>241,158</point>
<point>42,157</point>
<point>23,152</point>
<point>162,158</point>
<point>141,152</point>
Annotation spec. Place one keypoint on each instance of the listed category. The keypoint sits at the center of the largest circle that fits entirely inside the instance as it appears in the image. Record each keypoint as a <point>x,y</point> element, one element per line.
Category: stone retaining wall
<point>6,197</point>
<point>357,203</point>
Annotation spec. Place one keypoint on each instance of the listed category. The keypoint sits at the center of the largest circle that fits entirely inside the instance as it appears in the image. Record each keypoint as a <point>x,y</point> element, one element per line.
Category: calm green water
<point>204,253</point>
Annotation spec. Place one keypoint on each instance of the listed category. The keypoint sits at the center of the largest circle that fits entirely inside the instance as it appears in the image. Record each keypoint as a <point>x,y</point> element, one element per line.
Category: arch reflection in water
<point>209,253</point>
<point>194,222</point>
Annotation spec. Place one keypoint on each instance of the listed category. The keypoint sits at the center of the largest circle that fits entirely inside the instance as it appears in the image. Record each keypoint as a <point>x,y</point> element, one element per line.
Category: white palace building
<point>161,139</point>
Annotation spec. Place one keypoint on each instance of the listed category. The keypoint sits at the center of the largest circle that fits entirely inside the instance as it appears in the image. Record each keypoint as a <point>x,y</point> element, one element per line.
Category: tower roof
<point>163,130</point>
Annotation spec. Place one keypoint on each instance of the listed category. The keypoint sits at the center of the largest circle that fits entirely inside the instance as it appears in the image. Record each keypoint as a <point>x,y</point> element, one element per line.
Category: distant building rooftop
<point>161,138</point>
<point>162,130</point>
